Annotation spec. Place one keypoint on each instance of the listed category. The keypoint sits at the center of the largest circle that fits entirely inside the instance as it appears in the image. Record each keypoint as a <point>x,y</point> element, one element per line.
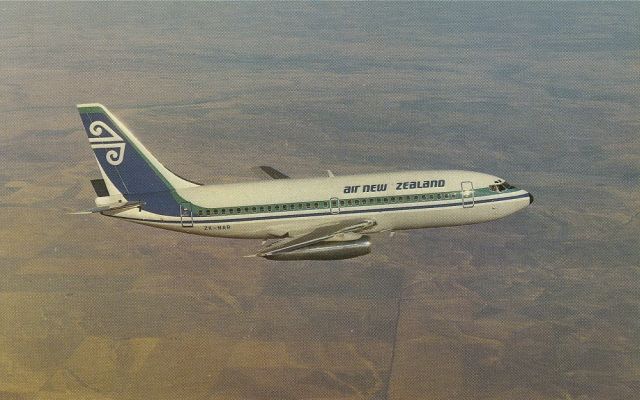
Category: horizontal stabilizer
<point>100,187</point>
<point>115,207</point>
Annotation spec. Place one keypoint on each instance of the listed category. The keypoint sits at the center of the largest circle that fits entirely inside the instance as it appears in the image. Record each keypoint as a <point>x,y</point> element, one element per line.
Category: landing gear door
<point>468,199</point>
<point>186,215</point>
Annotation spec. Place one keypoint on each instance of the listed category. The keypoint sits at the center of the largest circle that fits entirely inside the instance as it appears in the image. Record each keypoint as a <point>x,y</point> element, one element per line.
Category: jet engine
<point>328,250</point>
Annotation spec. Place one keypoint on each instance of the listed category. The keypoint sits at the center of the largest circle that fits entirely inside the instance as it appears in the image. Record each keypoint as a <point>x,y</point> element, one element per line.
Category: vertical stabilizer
<point>127,167</point>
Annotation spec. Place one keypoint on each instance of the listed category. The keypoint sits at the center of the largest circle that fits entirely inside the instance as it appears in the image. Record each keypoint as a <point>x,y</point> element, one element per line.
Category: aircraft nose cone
<point>530,198</point>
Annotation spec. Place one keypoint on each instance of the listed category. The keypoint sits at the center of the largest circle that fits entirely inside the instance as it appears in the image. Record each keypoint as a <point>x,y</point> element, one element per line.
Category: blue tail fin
<point>126,165</point>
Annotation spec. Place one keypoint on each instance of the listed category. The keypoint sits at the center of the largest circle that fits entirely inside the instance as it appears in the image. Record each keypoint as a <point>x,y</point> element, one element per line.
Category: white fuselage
<point>395,201</point>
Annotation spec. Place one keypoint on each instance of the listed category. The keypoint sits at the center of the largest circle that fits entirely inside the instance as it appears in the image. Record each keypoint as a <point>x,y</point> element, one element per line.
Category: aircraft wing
<point>265,171</point>
<point>317,235</point>
<point>272,172</point>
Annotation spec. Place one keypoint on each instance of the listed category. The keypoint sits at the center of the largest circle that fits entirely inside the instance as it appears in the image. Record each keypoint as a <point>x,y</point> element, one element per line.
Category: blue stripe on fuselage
<point>162,203</point>
<point>326,213</point>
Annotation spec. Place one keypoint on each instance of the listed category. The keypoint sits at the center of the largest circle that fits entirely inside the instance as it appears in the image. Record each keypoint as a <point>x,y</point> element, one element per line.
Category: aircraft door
<point>468,198</point>
<point>334,205</point>
<point>186,215</point>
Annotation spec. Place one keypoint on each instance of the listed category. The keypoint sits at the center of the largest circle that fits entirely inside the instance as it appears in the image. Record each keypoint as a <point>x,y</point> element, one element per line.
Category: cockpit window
<point>501,187</point>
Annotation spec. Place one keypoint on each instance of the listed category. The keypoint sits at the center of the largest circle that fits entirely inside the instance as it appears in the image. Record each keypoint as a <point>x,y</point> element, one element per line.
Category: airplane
<point>325,218</point>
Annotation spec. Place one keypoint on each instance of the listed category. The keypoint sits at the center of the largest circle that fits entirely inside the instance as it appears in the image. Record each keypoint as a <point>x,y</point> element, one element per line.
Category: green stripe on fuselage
<point>348,203</point>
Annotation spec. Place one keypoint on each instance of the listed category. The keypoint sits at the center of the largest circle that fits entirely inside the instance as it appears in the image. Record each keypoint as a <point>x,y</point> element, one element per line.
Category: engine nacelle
<point>335,250</point>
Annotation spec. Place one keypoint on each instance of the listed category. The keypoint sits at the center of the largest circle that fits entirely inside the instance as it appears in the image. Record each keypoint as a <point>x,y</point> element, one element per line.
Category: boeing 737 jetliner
<point>311,219</point>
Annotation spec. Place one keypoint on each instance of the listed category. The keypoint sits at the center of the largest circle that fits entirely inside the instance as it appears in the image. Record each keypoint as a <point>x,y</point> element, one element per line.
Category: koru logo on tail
<point>106,138</point>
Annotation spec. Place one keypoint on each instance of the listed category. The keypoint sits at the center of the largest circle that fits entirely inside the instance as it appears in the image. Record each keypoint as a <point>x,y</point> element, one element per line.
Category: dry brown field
<point>541,305</point>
